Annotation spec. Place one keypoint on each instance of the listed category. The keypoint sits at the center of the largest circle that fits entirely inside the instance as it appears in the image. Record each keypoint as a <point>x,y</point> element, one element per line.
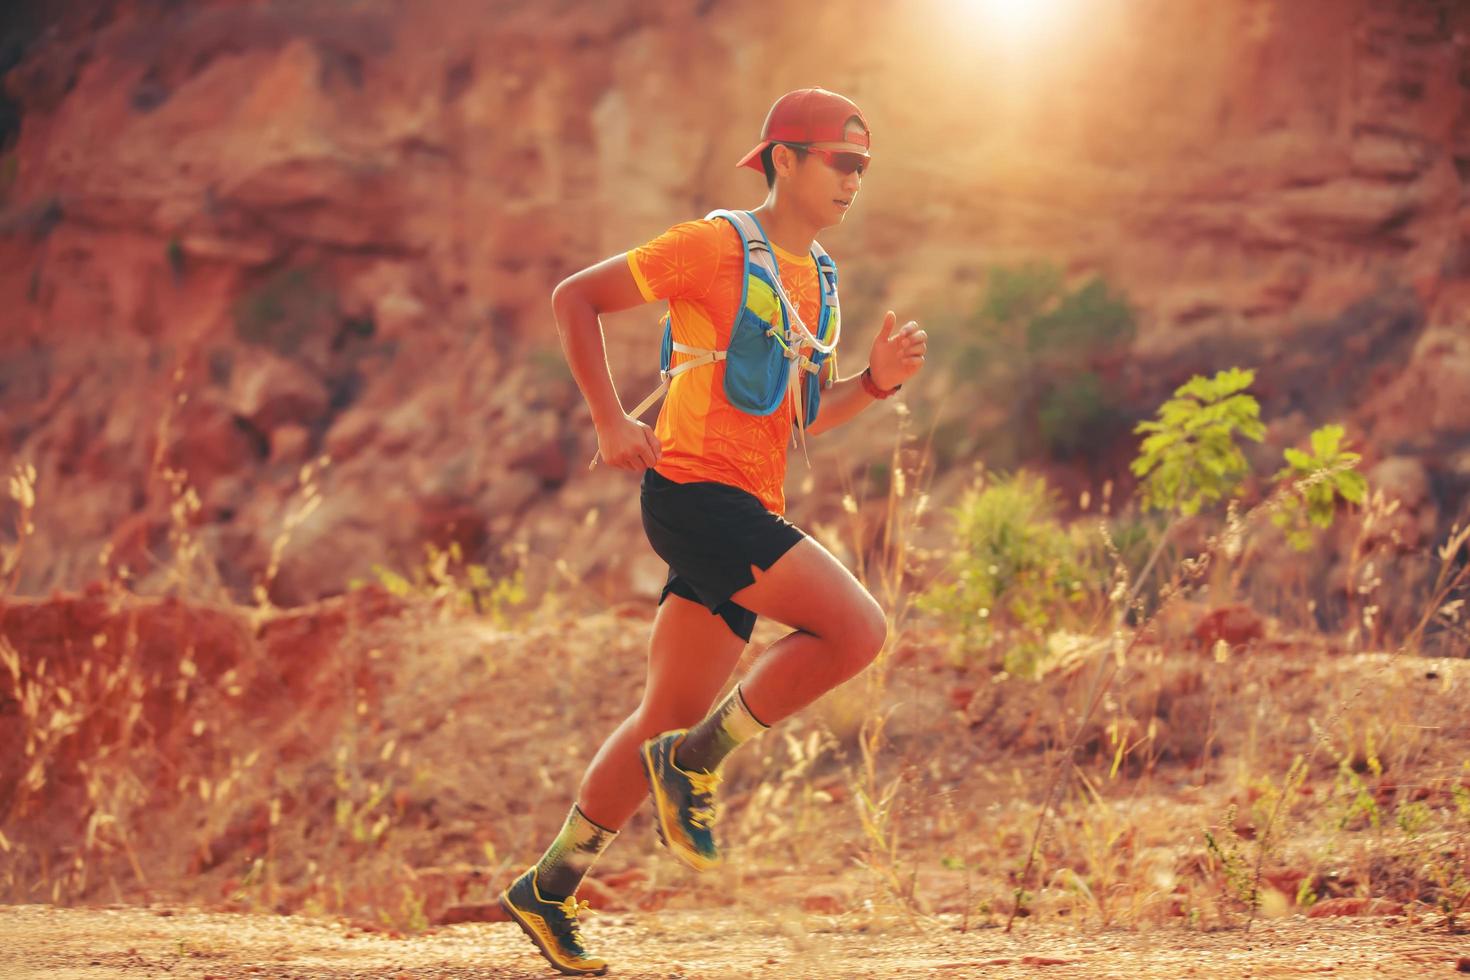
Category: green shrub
<point>1189,457</point>
<point>1080,322</point>
<point>1320,479</point>
<point>1036,346</point>
<point>286,309</point>
<point>1015,574</point>
<point>1072,419</point>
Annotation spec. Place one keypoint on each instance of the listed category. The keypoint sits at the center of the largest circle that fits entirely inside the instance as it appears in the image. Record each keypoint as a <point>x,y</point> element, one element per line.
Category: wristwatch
<point>866,379</point>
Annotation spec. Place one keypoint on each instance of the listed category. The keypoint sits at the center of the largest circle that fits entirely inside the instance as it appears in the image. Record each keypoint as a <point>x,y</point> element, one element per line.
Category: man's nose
<point>851,182</point>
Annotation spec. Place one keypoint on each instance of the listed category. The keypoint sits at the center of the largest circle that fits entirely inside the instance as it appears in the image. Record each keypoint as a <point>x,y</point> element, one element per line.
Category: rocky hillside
<point>236,237</point>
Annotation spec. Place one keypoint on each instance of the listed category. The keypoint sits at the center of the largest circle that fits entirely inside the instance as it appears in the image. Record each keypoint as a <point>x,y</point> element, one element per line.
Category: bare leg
<point>839,630</point>
<point>690,657</point>
<point>839,627</point>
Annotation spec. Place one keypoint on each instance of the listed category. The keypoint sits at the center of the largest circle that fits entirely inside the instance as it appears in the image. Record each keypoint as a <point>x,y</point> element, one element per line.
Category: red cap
<point>808,115</point>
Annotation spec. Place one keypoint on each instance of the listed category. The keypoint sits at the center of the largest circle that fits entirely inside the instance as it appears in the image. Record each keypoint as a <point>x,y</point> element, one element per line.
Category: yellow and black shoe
<point>683,803</point>
<point>551,925</point>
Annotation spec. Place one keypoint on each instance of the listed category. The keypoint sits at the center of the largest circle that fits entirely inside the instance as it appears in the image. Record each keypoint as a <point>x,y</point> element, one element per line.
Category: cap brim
<point>753,158</point>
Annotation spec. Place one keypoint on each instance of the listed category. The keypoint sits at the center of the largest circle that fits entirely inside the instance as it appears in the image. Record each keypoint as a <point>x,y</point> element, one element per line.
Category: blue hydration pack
<point>770,347</point>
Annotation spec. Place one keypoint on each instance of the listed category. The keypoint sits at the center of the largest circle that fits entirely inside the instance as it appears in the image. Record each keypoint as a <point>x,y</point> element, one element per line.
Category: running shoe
<point>552,926</point>
<point>683,803</point>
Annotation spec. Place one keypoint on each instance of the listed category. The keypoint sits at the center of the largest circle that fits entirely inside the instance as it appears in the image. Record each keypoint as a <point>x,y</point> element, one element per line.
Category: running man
<point>712,470</point>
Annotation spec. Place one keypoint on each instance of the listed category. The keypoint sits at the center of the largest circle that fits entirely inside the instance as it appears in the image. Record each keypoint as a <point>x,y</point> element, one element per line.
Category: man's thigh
<point>690,656</point>
<point>807,588</point>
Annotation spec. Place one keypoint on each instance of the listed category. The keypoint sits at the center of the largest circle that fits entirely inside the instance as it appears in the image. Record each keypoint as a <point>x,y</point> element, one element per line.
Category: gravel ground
<point>105,943</point>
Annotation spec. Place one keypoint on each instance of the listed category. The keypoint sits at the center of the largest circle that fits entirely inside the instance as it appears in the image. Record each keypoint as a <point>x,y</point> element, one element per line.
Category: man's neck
<point>785,229</point>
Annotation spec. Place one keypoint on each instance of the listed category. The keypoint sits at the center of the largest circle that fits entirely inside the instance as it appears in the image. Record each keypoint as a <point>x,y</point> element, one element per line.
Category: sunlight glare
<point>1017,20</point>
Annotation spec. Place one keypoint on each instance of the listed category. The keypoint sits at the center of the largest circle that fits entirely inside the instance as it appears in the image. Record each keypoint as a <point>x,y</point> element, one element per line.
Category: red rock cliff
<point>237,236</point>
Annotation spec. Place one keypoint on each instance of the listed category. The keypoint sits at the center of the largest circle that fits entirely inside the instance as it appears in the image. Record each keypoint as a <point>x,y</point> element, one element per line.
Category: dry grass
<point>385,757</point>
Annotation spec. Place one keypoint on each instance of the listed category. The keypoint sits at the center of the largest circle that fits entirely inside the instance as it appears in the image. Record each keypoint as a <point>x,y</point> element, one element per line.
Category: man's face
<point>818,184</point>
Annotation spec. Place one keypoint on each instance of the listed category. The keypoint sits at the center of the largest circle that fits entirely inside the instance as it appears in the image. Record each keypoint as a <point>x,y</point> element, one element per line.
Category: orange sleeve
<point>682,262</point>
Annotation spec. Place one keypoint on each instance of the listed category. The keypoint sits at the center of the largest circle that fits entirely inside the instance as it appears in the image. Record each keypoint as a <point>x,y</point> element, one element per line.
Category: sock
<point>707,743</point>
<point>565,863</point>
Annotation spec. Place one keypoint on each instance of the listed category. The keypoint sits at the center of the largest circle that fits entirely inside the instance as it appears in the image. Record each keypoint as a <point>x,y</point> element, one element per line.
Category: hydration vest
<point>764,361</point>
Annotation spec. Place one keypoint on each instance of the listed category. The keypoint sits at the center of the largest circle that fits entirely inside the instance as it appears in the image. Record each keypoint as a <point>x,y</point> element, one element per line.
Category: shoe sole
<point>686,858</point>
<point>531,934</point>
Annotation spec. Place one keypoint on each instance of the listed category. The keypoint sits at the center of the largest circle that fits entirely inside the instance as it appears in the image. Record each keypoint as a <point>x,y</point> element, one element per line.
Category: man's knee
<point>865,632</point>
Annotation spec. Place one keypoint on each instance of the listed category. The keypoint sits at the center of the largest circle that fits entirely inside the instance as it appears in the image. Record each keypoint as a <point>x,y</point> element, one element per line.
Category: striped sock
<point>707,743</point>
<point>568,859</point>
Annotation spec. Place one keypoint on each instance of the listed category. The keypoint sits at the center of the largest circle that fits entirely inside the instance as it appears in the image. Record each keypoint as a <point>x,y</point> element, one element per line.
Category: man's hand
<point>628,444</point>
<point>897,356</point>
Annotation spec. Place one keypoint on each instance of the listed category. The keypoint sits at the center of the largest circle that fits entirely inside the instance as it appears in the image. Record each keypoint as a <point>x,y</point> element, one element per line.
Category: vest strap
<point>702,357</point>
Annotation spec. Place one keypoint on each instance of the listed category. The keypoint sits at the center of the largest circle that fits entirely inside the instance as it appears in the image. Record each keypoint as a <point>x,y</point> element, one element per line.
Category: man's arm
<point>895,357</point>
<point>840,403</point>
<point>577,303</point>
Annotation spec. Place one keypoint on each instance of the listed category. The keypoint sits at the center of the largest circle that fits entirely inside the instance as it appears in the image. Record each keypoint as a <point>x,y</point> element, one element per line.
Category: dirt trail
<point>103,944</point>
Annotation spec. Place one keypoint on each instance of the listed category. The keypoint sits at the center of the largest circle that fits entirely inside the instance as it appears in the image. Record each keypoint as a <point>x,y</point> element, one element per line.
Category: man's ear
<point>783,158</point>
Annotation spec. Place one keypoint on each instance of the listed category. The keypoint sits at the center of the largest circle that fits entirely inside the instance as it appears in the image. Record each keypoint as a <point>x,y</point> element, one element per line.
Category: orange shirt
<point>699,267</point>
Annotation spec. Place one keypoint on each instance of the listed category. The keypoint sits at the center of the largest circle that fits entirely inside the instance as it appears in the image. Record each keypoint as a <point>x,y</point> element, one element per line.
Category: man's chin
<point>834,216</point>
<point>829,217</point>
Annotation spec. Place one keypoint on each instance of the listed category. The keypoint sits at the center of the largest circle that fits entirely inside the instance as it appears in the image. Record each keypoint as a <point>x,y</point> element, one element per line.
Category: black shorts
<point>710,534</point>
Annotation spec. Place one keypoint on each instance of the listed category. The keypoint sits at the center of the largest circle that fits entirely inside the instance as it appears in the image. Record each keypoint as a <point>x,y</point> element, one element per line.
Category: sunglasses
<point>842,161</point>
